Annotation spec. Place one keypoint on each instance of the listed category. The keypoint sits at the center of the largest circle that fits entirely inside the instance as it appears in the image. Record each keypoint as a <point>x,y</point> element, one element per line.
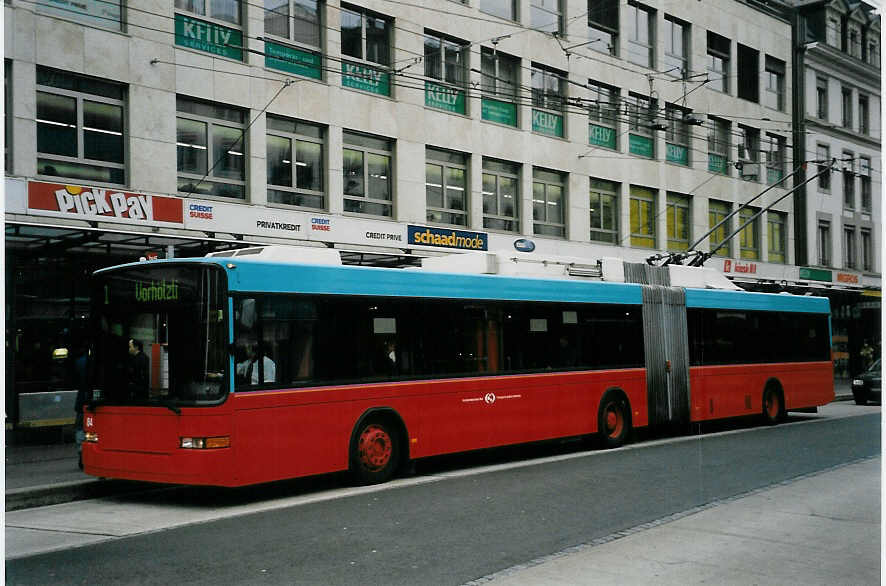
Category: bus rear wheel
<point>773,406</point>
<point>613,420</point>
<point>375,452</point>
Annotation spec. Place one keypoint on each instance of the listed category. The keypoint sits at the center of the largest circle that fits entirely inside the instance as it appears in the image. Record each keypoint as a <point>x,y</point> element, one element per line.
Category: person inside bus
<point>247,370</point>
<point>138,375</point>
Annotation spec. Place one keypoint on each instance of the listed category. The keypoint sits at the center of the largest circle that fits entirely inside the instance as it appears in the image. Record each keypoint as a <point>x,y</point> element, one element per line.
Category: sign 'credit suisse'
<point>102,203</point>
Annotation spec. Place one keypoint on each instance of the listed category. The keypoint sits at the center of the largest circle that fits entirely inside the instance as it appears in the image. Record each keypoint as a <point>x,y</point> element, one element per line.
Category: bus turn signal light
<point>205,443</point>
<point>90,436</point>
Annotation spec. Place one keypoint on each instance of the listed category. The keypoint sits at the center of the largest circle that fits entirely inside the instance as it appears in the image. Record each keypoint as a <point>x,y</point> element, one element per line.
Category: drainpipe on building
<point>798,107</point>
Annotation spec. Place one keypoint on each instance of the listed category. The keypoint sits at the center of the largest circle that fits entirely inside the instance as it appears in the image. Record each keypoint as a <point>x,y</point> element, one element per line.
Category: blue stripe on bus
<point>719,299</point>
<point>260,276</point>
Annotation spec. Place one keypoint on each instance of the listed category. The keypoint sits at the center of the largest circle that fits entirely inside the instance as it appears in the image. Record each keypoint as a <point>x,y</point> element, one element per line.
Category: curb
<point>66,492</point>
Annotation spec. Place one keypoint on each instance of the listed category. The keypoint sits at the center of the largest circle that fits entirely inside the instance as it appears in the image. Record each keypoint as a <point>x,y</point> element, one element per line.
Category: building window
<point>446,187</point>
<point>676,136</point>
<point>824,243</point>
<point>506,9</point>
<point>548,100</point>
<point>873,53</point>
<point>641,114</point>
<point>295,181</point>
<point>773,97</point>
<point>367,38</point>
<point>500,74</point>
<point>848,181</point>
<point>603,26</point>
<point>547,15</point>
<point>864,178</point>
<point>548,203</point>
<point>642,217</point>
<point>105,14</point>
<point>604,211</point>
<point>501,195</point>
<point>777,235</point>
<point>846,95</point>
<point>867,250</point>
<point>676,46</point>
<point>719,51</point>
<point>854,47</point>
<point>718,211</point>
<point>834,33</point>
<point>749,154</point>
<point>849,255</point>
<point>368,174</point>
<point>641,35</point>
<point>749,237</point>
<point>296,20</point>
<point>211,145</point>
<point>775,158</point>
<point>864,120</point>
<point>225,10</point>
<point>748,73</point>
<point>821,97</point>
<point>446,63</point>
<point>823,154</point>
<point>80,127</point>
<point>718,146</point>
<point>603,116</point>
<point>678,220</point>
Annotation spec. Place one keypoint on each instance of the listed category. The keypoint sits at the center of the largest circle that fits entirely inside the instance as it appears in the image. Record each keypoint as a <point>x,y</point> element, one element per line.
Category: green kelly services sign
<point>292,60</point>
<point>365,78</point>
<point>640,145</point>
<point>676,153</point>
<point>601,136</point>
<point>498,111</point>
<point>444,98</point>
<point>717,163</point>
<point>207,36</point>
<point>547,123</point>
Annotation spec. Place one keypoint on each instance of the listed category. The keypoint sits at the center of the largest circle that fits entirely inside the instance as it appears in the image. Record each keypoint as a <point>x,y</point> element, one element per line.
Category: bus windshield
<point>160,336</point>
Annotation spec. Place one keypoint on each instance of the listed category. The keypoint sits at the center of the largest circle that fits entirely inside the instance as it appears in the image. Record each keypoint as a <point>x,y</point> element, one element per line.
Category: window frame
<point>295,138</point>
<point>718,145</point>
<point>366,15</point>
<point>538,6</point>
<point>823,153</point>
<point>641,114</point>
<point>646,48</point>
<point>675,203</point>
<point>864,116</point>
<point>747,77</point>
<point>846,107</point>
<point>365,150</point>
<point>489,7</point>
<point>717,211</point>
<point>850,252</point>
<point>774,71</point>
<point>775,162</point>
<point>867,250</point>
<point>186,6</point>
<point>749,237</point>
<point>463,52</point>
<point>677,133</point>
<point>669,56</point>
<point>848,181</point>
<point>445,162</point>
<point>607,26</point>
<point>501,169</point>
<point>292,35</point>
<point>597,111</point>
<point>821,96</point>
<point>716,54</point>
<point>609,190</point>
<point>212,159</point>
<point>645,199</point>
<point>80,96</point>
<point>864,178</point>
<point>776,235</point>
<point>750,145</point>
<point>823,242</point>
<point>547,178</point>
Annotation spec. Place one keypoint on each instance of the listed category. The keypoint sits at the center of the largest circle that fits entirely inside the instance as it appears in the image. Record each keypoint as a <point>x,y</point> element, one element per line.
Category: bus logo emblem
<point>489,398</point>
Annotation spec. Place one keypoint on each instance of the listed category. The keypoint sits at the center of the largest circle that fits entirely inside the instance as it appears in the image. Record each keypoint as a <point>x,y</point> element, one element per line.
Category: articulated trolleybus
<point>269,364</point>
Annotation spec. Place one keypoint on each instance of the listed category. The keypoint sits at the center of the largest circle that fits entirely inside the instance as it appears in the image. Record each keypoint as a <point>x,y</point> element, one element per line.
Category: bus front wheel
<point>375,452</point>
<point>614,420</point>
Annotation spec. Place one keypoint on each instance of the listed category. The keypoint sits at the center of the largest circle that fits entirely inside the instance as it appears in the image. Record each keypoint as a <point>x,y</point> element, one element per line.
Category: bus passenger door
<point>667,354</point>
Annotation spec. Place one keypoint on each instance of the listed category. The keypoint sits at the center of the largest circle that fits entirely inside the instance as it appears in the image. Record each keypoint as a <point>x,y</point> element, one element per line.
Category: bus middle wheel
<point>375,452</point>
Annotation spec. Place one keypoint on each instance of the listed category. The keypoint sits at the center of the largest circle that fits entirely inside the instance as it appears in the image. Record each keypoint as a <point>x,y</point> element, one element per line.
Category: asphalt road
<point>448,525</point>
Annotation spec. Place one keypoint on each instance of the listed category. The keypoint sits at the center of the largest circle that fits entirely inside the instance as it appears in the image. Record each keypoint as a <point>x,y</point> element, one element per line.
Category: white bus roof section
<point>522,264</point>
<point>291,254</point>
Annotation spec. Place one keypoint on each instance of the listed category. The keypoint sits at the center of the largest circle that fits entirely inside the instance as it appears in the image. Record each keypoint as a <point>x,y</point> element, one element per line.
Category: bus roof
<point>247,274</point>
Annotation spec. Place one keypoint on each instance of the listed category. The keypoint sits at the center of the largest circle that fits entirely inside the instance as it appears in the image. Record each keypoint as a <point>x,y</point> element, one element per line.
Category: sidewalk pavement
<point>38,475</point>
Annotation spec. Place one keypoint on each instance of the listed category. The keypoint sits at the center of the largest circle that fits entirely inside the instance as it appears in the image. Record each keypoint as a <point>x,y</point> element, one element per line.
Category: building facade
<point>839,121</point>
<point>590,129</point>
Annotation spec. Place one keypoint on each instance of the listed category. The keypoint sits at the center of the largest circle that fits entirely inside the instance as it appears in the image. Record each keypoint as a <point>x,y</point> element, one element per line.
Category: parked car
<point>866,386</point>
